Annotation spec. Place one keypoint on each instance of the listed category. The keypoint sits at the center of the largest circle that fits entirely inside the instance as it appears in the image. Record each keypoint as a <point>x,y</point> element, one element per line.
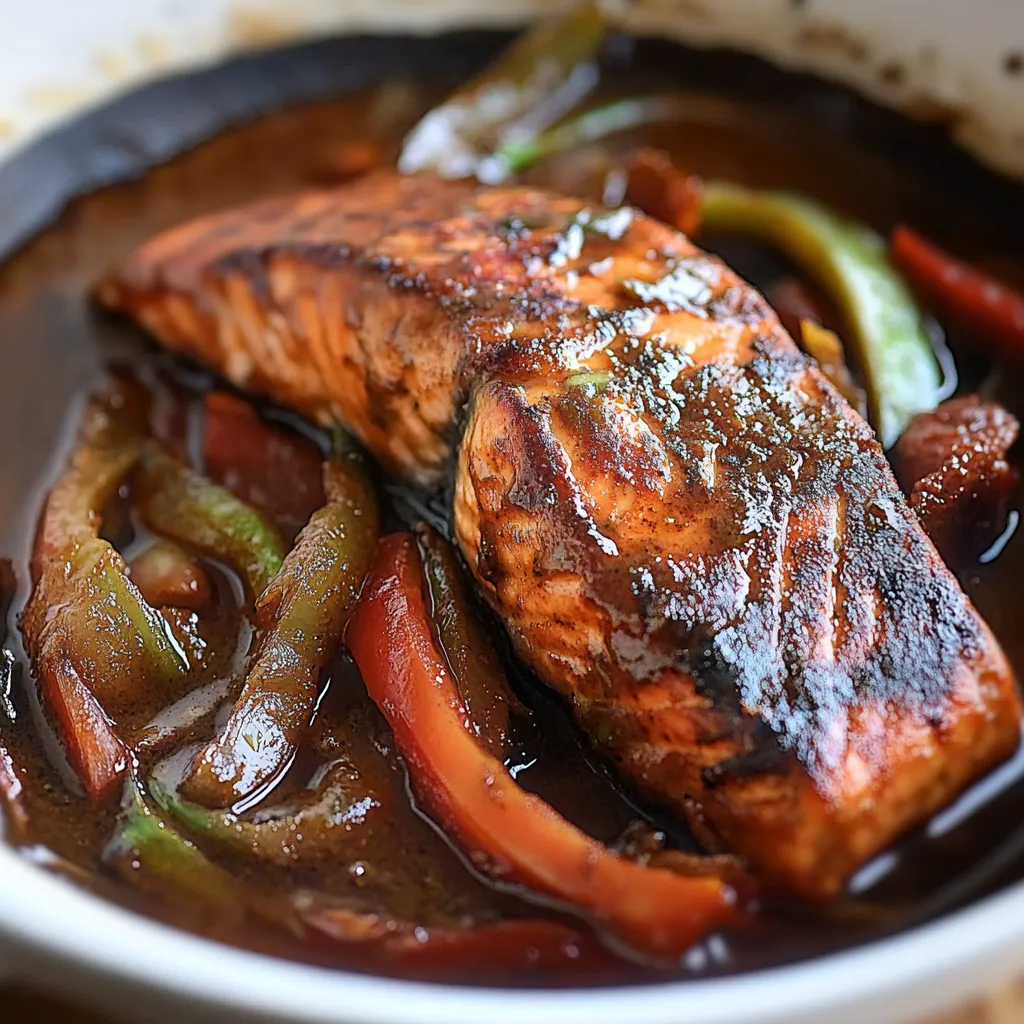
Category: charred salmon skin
<point>685,528</point>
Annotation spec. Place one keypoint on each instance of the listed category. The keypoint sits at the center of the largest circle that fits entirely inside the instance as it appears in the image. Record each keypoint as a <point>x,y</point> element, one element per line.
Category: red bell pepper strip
<point>274,469</point>
<point>90,742</point>
<point>527,944</point>
<point>794,304</point>
<point>660,189</point>
<point>969,296</point>
<point>509,833</point>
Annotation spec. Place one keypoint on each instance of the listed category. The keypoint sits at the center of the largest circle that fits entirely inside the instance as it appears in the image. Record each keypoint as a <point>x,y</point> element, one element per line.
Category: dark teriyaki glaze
<point>57,350</point>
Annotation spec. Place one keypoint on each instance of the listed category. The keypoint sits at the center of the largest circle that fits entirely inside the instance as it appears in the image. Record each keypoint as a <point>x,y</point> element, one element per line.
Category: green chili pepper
<point>475,665</point>
<point>94,642</point>
<point>518,154</point>
<point>849,261</point>
<point>301,615</point>
<point>540,77</point>
<point>178,503</point>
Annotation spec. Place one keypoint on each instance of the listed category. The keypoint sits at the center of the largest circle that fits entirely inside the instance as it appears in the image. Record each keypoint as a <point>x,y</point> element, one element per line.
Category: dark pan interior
<point>124,138</point>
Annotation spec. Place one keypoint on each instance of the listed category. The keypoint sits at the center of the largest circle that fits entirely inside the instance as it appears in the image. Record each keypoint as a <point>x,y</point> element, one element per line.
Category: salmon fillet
<point>684,527</point>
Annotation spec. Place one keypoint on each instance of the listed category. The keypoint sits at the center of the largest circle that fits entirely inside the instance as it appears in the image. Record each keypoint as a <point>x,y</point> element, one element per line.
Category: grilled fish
<point>684,527</point>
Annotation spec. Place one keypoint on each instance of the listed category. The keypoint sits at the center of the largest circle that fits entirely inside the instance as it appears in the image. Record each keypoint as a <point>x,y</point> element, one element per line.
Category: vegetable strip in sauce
<point>149,851</point>
<point>519,154</point>
<point>506,831</point>
<point>301,613</point>
<point>540,77</point>
<point>178,503</point>
<point>969,296</point>
<point>474,663</point>
<point>274,469</point>
<point>94,641</point>
<point>318,828</point>
<point>849,261</point>
<point>528,944</point>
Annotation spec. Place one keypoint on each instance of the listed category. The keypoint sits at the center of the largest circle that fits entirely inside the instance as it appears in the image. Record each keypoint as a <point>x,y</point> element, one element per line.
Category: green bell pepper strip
<point>94,642</point>
<point>151,854</point>
<point>885,326</point>
<point>177,502</point>
<point>160,849</point>
<point>541,76</point>
<point>301,616</point>
<point>317,828</point>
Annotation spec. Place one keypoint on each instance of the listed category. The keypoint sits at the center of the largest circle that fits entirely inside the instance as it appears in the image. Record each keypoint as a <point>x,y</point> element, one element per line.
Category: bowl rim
<point>953,957</point>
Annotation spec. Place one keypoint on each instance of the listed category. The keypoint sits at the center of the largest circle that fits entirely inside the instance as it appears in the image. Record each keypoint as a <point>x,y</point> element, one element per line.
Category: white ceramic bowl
<point>58,56</point>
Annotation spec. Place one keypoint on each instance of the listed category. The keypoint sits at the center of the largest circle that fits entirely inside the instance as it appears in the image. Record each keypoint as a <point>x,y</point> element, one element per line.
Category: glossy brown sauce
<point>57,349</point>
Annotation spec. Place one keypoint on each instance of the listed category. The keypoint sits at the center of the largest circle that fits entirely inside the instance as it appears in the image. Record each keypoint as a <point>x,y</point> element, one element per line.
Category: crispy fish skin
<point>685,529</point>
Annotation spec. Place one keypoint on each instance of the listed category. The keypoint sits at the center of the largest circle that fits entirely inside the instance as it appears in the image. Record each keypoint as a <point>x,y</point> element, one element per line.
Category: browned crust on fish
<point>684,527</point>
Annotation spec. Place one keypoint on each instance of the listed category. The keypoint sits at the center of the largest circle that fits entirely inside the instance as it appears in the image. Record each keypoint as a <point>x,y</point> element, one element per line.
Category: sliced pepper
<point>94,642</point>
<point>507,832</point>
<point>516,945</point>
<point>149,852</point>
<point>474,663</point>
<point>964,293</point>
<point>520,153</point>
<point>794,304</point>
<point>540,77</point>
<point>661,190</point>
<point>177,502</point>
<point>849,261</point>
<point>180,722</point>
<point>274,469</point>
<point>826,348</point>
<point>146,849</point>
<point>301,615</point>
<point>315,829</point>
